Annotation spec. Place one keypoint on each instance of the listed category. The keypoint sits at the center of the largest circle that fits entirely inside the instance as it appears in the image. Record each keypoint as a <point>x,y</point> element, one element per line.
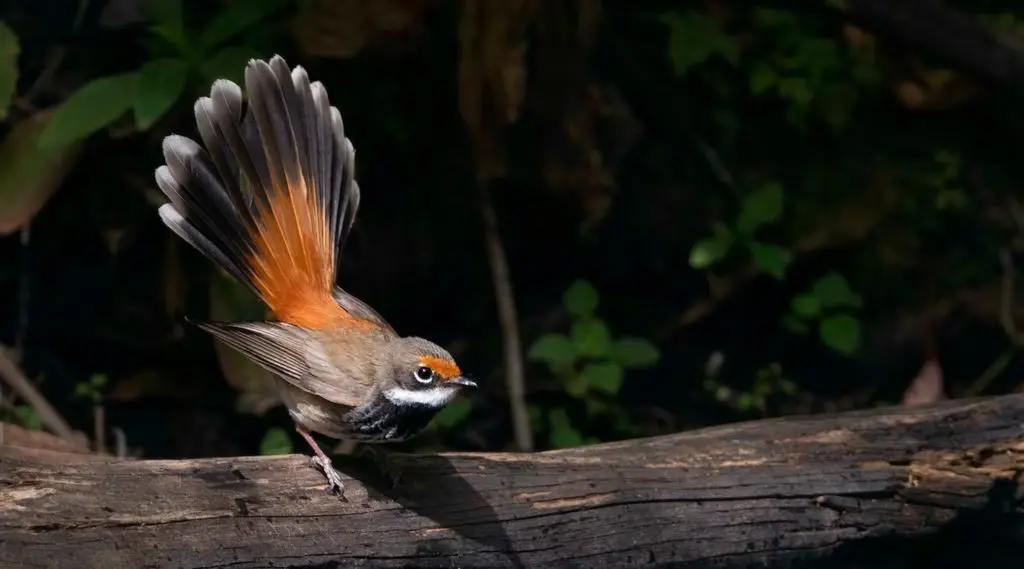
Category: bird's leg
<point>322,462</point>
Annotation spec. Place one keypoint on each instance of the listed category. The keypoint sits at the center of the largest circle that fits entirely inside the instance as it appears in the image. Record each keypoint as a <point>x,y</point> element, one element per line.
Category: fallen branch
<point>24,388</point>
<point>922,486</point>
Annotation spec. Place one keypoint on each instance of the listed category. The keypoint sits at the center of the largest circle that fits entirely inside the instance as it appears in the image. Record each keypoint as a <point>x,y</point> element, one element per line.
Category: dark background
<point>611,138</point>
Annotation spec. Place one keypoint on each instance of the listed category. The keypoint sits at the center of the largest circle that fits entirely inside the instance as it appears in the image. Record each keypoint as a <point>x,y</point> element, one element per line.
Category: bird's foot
<point>334,483</point>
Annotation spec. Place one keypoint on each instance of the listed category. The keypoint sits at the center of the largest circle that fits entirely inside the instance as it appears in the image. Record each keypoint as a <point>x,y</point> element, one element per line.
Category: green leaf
<point>771,258</point>
<point>694,39</point>
<point>591,338</point>
<point>796,89</point>
<point>29,175</point>
<point>98,380</point>
<point>554,349</point>
<point>832,290</point>
<point>576,386</point>
<point>723,393</point>
<point>759,208</point>
<point>763,78</point>
<point>841,333</point>
<point>28,417</point>
<point>164,12</point>
<point>635,353</point>
<point>838,101</point>
<point>10,49</point>
<point>237,17</point>
<point>806,305</point>
<point>160,83</point>
<point>597,406</point>
<point>604,376</point>
<point>536,416</point>
<point>275,441</point>
<point>581,298</point>
<point>710,250</point>
<point>707,252</point>
<point>452,414</point>
<point>92,107</point>
<point>229,63</point>
<point>563,434</point>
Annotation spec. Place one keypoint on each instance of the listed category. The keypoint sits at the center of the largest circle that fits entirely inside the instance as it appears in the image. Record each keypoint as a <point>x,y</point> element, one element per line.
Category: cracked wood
<point>907,486</point>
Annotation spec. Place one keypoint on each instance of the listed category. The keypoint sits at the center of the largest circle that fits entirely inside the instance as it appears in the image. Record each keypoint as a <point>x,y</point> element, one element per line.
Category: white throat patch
<point>435,397</point>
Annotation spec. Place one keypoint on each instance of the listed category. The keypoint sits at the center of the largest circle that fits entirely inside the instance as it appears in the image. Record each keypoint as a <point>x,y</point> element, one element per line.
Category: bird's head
<point>424,374</point>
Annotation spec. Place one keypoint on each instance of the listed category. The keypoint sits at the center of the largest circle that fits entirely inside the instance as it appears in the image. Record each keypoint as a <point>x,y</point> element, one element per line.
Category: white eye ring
<point>423,374</point>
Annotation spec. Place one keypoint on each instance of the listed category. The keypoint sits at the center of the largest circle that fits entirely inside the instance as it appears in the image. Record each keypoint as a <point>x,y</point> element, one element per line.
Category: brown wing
<point>361,310</point>
<point>296,355</point>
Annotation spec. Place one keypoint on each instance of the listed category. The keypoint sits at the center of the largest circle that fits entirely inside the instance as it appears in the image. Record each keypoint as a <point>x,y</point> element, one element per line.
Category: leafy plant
<point>153,89</point>
<point>695,39</point>
<point>758,209</point>
<point>828,301</point>
<point>828,304</point>
<point>769,382</point>
<point>29,175</point>
<point>814,74</point>
<point>28,417</point>
<point>275,441</point>
<point>589,361</point>
<point>92,389</point>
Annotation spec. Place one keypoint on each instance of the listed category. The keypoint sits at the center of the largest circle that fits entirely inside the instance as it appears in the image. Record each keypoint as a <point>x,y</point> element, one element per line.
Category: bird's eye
<point>424,374</point>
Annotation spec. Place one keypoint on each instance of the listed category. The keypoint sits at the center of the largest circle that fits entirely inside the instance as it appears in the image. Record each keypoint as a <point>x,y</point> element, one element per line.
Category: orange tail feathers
<point>293,259</point>
<point>272,196</point>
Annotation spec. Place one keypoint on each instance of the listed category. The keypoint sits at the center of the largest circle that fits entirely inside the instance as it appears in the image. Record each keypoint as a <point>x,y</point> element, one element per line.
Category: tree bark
<point>898,487</point>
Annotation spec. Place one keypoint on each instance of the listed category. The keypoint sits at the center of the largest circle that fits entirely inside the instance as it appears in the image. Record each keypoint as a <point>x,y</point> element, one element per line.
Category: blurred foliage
<point>92,390</point>
<point>27,417</point>
<point>178,54</point>
<point>589,363</point>
<point>9,50</point>
<point>711,211</point>
<point>276,441</point>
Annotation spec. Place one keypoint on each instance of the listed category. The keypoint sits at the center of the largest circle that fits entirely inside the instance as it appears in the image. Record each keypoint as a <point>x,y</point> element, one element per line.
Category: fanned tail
<point>271,195</point>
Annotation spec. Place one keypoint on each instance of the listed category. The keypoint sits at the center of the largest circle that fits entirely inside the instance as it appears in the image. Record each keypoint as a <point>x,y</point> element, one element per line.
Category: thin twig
<point>1006,300</point>
<point>1009,285</point>
<point>505,300</point>
<point>120,442</point>
<point>99,427</point>
<point>24,388</point>
<point>24,292</point>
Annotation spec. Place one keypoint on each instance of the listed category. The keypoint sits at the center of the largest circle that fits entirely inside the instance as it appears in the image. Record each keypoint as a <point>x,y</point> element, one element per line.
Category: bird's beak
<point>462,380</point>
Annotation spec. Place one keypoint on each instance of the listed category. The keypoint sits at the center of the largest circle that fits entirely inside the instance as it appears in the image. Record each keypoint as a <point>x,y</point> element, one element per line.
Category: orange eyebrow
<point>444,367</point>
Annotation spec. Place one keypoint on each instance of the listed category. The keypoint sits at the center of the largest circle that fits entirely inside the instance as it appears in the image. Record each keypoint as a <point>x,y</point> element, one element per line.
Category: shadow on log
<point>935,486</point>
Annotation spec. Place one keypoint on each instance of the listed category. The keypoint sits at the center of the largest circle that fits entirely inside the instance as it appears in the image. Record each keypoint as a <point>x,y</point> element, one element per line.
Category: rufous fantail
<point>270,197</point>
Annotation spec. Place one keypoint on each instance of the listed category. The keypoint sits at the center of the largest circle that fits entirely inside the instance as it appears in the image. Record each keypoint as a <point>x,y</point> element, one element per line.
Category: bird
<point>270,197</point>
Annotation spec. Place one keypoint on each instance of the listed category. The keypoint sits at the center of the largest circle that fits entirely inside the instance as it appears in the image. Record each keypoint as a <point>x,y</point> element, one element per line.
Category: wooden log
<point>920,487</point>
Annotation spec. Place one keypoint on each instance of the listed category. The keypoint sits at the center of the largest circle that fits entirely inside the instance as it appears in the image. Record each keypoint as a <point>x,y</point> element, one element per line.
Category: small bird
<point>270,197</point>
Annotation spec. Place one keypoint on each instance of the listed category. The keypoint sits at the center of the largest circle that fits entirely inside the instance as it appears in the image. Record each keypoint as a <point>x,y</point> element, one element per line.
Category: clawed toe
<point>334,483</point>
